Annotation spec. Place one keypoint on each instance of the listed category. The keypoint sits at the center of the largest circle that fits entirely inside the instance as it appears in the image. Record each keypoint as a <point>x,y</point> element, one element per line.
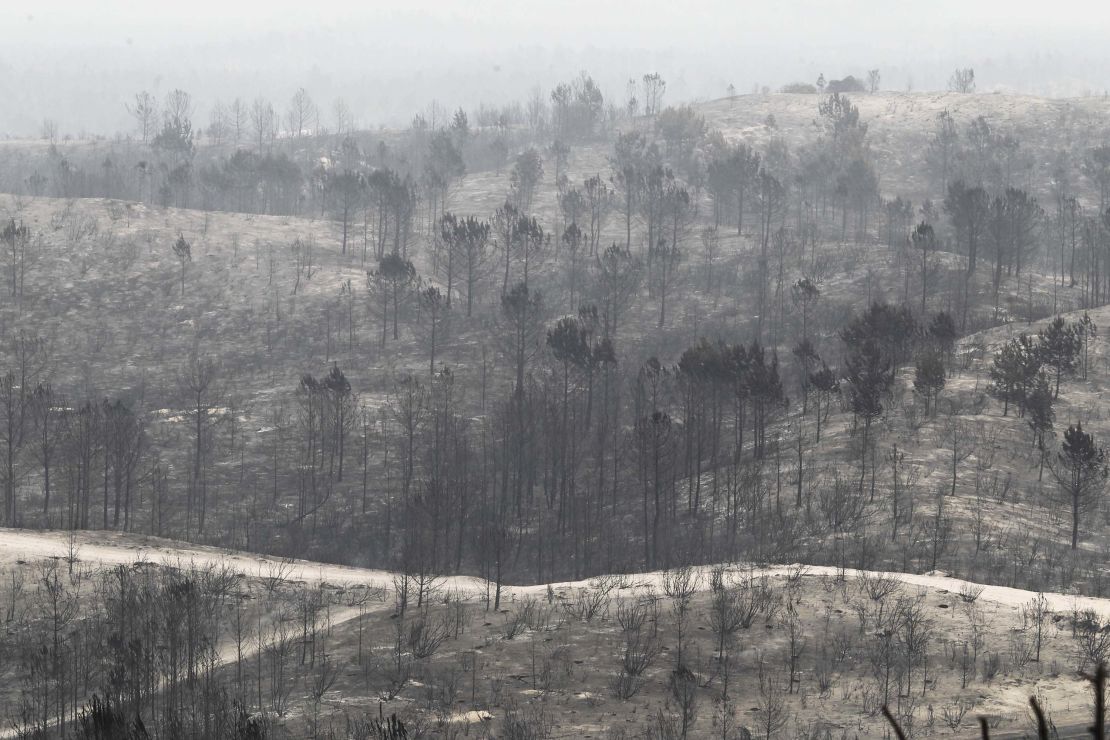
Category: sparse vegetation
<point>578,376</point>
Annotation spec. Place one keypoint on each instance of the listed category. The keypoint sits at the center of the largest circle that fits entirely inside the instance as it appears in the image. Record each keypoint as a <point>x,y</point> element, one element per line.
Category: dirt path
<point>110,548</point>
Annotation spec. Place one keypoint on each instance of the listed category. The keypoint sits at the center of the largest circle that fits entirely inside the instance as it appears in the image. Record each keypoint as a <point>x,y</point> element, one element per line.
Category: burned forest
<point>508,383</point>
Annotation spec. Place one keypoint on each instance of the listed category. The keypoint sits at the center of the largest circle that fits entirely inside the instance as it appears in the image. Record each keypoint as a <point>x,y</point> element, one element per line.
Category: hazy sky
<point>566,21</point>
<point>77,61</point>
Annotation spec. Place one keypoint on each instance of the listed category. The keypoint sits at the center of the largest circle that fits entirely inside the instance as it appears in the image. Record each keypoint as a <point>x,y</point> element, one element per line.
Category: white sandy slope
<point>110,549</point>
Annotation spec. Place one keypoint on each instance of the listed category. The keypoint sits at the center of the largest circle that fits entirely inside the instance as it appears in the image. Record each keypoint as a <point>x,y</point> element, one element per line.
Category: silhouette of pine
<point>100,720</point>
<point>1097,728</point>
<point>246,726</point>
<point>388,729</point>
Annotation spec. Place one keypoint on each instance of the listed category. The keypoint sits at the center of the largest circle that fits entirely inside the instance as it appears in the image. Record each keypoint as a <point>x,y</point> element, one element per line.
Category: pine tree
<point>869,377</point>
<point>929,377</point>
<point>1060,345</point>
<point>942,333</point>
<point>184,253</point>
<point>389,286</point>
<point>1080,471</point>
<point>825,384</point>
<point>891,328</point>
<point>1015,367</point>
<point>1086,330</point>
<point>1040,416</point>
